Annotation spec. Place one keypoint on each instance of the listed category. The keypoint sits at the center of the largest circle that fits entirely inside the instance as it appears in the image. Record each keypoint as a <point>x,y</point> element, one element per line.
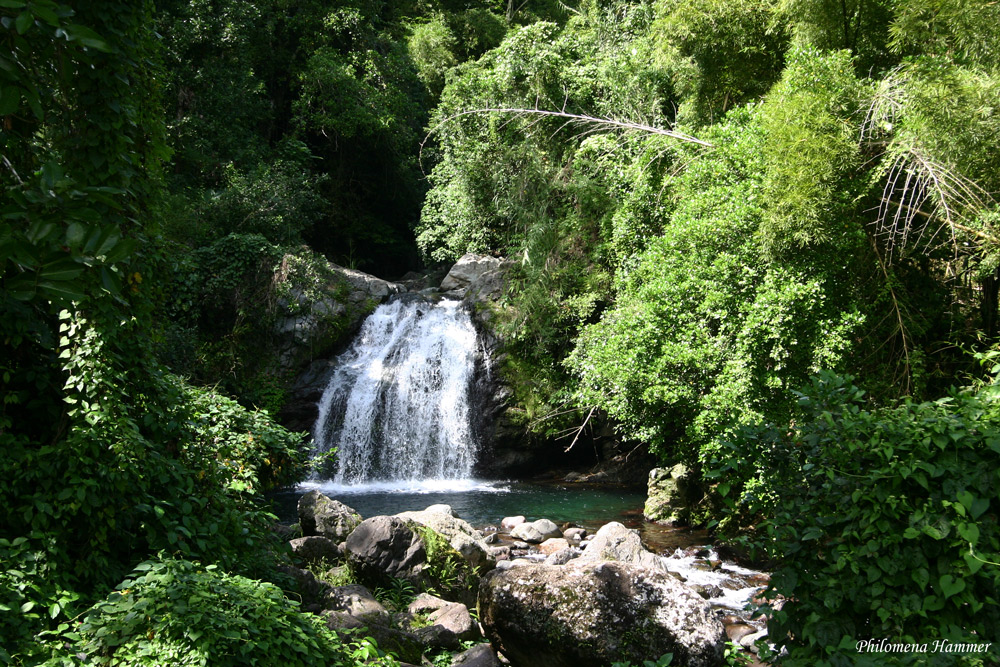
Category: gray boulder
<point>315,549</point>
<point>474,277</point>
<point>480,655</point>
<point>615,542</point>
<point>332,519</point>
<point>536,531</point>
<point>456,619</point>
<point>562,556</point>
<point>357,601</point>
<point>425,603</point>
<point>383,548</point>
<point>591,614</point>
<point>462,537</point>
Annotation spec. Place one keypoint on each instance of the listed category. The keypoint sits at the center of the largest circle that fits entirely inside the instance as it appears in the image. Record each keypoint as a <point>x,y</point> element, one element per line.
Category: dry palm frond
<point>590,124</point>
<point>923,200</point>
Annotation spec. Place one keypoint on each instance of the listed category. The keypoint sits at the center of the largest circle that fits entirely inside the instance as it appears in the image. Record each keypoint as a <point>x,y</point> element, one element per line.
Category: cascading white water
<point>397,405</point>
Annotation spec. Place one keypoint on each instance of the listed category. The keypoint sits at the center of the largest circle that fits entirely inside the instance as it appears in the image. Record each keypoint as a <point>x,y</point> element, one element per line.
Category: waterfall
<point>397,405</point>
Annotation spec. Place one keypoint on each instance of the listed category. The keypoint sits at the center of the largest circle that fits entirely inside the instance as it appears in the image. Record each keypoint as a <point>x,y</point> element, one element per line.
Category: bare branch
<point>594,123</point>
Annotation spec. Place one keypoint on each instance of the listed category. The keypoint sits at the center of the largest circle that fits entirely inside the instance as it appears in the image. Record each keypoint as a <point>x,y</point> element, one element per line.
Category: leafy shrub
<point>181,613</point>
<point>883,523</point>
<point>279,201</point>
<point>705,330</point>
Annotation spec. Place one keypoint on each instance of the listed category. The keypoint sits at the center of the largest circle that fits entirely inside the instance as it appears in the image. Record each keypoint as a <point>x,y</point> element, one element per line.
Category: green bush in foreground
<point>175,612</point>
<point>884,522</point>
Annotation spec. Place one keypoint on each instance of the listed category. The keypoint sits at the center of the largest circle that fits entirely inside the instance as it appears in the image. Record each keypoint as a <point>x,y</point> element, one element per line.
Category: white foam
<point>422,486</point>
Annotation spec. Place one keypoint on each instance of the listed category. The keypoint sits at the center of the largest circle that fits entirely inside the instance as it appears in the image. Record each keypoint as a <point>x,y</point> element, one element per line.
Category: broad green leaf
<point>75,234</point>
<point>973,563</point>
<point>21,288</point>
<point>24,21</point>
<point>45,14</point>
<point>951,586</point>
<point>62,291</point>
<point>969,532</point>
<point>60,270</point>
<point>12,4</point>
<point>979,506</point>
<point>119,251</point>
<point>87,37</point>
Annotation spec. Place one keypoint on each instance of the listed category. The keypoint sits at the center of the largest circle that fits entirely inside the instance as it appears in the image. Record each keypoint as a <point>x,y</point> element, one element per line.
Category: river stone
<point>615,542</point>
<point>311,590</point>
<point>552,545</point>
<point>508,522</point>
<point>591,614</point>
<point>455,618</point>
<point>357,601</point>
<point>425,602</point>
<point>319,515</point>
<point>536,531</point>
<point>575,535</point>
<point>463,538</point>
<point>383,548</point>
<point>315,549</point>
<point>480,655</point>
<point>670,494</point>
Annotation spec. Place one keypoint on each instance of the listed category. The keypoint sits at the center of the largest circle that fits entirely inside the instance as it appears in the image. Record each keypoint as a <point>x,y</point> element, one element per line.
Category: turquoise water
<point>485,503</point>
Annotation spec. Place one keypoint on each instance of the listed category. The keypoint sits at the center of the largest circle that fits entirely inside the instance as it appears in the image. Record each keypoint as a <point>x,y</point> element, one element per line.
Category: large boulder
<point>462,537</point>
<point>332,519</point>
<point>591,614</point>
<point>670,495</point>
<point>480,655</point>
<point>535,532</point>
<point>474,277</point>
<point>384,548</point>
<point>357,601</point>
<point>615,542</point>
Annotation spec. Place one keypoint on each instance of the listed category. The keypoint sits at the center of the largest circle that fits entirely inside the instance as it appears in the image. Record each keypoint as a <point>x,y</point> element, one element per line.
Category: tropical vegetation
<point>759,237</point>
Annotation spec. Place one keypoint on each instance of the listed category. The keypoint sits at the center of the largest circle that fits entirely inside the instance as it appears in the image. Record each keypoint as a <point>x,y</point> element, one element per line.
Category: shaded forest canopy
<point>803,307</point>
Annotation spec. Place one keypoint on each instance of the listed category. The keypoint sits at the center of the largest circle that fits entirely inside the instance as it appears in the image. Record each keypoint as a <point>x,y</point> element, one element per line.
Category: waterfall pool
<point>484,503</point>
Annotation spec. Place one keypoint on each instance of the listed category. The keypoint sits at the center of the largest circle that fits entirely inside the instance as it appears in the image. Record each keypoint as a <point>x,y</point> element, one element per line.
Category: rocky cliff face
<point>323,307</point>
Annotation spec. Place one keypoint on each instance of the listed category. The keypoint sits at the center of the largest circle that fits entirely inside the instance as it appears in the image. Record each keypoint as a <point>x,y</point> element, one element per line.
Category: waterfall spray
<point>397,405</point>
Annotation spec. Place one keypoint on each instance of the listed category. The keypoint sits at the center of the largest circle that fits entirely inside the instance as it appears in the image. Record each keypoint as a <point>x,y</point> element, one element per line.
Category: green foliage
<point>279,201</point>
<point>224,303</point>
<point>811,146</point>
<point>962,29</point>
<point>397,596</point>
<point>859,26</point>
<point>705,329</point>
<point>432,45</point>
<point>892,504</point>
<point>723,54</point>
<point>449,575</point>
<point>187,614</point>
